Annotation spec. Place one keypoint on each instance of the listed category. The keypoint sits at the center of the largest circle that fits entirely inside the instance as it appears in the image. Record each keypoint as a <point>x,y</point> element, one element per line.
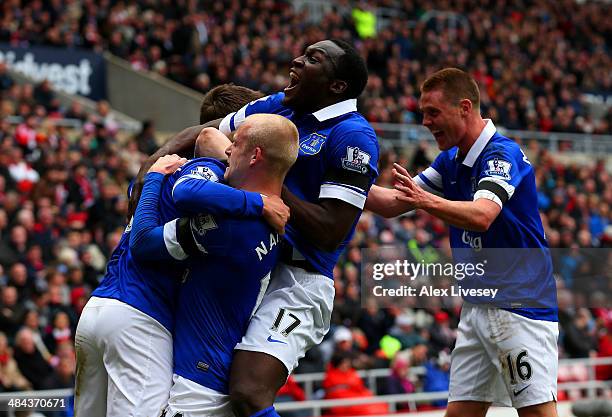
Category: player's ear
<point>466,107</point>
<point>256,156</point>
<point>338,87</point>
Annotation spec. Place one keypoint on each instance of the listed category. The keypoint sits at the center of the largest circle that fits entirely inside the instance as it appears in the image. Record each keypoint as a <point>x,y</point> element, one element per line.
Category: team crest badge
<point>356,160</point>
<point>499,168</point>
<point>312,144</point>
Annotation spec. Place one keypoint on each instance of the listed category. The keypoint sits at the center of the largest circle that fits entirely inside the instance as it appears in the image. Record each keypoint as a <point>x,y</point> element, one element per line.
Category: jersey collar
<point>476,149</point>
<point>336,109</point>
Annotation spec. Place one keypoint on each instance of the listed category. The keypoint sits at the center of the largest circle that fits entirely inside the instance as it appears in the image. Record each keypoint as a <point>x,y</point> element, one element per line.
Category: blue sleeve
<point>194,194</point>
<point>269,104</point>
<point>352,165</point>
<point>147,235</point>
<point>431,178</point>
<point>501,170</point>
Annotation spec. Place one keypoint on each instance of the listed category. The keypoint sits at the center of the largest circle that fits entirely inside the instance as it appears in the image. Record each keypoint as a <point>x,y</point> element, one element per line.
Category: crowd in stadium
<point>63,190</point>
<point>534,63</point>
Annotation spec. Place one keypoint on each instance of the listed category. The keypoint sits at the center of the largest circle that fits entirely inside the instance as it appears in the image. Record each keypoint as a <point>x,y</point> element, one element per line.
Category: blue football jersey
<point>152,287</point>
<point>497,169</point>
<point>228,260</point>
<point>221,292</point>
<point>338,158</point>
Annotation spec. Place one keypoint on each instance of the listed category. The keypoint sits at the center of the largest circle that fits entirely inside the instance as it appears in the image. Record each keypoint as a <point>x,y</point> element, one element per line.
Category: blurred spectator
<point>291,391</point>
<point>10,377</point>
<point>437,376</point>
<point>6,82</point>
<point>405,331</point>
<point>579,341</point>
<point>12,312</point>
<point>375,323</point>
<point>146,138</point>
<point>442,337</point>
<point>345,343</point>
<point>604,349</point>
<point>31,363</point>
<point>62,376</point>
<point>60,332</point>
<point>31,321</point>
<point>342,381</point>
<point>400,382</point>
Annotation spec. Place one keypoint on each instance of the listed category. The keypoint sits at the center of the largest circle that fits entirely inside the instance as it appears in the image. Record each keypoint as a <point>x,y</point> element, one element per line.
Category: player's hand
<point>411,193</point>
<point>275,212</point>
<point>168,164</point>
<point>212,143</point>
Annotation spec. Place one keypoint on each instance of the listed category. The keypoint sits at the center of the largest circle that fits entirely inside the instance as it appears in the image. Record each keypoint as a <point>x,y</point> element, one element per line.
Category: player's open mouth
<point>294,80</point>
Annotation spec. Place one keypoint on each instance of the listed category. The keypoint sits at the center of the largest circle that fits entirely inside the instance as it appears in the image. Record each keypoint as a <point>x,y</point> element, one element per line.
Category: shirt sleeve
<point>501,170</point>
<point>194,236</point>
<point>268,104</point>
<point>147,238</point>
<point>431,178</point>
<point>197,190</point>
<point>352,167</point>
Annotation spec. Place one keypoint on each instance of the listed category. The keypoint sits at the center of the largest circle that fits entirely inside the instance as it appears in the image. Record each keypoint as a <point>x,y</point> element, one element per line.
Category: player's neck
<point>475,127</point>
<point>262,185</point>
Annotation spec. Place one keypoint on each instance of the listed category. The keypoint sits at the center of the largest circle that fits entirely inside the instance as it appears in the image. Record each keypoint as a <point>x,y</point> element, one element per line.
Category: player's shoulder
<point>352,121</point>
<point>207,168</point>
<point>271,102</point>
<point>353,129</point>
<point>502,145</point>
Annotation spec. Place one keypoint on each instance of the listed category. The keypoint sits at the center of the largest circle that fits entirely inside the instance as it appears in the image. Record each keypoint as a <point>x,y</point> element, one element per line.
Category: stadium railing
<point>592,389</point>
<point>399,135</point>
<point>371,376</point>
<point>316,407</point>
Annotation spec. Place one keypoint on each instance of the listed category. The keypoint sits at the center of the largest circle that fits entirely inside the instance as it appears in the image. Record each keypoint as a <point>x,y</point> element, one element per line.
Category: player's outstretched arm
<point>182,144</point>
<point>325,224</point>
<point>384,202</point>
<point>147,241</point>
<point>194,195</point>
<point>476,215</point>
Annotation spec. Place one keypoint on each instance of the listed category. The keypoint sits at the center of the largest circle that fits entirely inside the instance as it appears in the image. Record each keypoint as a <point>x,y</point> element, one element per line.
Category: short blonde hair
<point>276,136</point>
<point>455,84</point>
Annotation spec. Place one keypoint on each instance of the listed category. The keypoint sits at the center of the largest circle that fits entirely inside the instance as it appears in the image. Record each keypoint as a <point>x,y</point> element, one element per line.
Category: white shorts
<point>293,316</point>
<point>190,399</point>
<point>124,361</point>
<point>504,358</point>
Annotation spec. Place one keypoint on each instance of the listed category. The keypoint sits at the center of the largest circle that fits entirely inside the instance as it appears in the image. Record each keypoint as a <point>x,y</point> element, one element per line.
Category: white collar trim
<point>336,109</point>
<point>476,149</point>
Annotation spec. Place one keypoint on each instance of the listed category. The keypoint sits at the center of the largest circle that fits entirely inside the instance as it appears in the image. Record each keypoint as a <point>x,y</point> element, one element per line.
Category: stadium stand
<point>62,185</point>
<point>558,49</point>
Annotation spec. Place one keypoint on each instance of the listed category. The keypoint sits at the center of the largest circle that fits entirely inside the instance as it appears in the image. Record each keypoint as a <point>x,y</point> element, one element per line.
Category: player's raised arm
<point>477,215</point>
<point>194,192</point>
<point>147,239</point>
<point>182,144</point>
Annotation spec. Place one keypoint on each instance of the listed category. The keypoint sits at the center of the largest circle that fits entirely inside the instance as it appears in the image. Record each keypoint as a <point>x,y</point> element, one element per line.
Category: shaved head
<point>276,136</point>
